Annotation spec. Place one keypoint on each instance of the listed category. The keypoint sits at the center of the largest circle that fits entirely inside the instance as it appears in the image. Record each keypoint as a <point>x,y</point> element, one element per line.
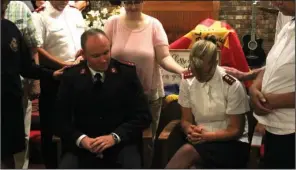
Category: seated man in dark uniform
<point>101,109</point>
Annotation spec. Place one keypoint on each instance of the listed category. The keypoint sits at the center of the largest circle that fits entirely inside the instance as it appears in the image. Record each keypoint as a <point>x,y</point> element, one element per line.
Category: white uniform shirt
<point>211,102</point>
<point>71,3</point>
<point>281,21</point>
<point>60,31</point>
<point>279,77</point>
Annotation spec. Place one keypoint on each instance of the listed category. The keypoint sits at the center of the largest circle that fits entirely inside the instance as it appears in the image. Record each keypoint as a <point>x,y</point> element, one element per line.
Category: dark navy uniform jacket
<point>16,60</point>
<point>117,105</point>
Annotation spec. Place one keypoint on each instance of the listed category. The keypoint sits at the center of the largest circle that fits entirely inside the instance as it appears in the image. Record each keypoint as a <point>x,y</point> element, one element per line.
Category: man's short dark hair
<point>91,32</point>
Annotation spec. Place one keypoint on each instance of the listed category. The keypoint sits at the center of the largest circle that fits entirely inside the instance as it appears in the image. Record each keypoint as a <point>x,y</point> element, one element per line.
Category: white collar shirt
<point>93,73</point>
<point>211,102</point>
<point>60,31</point>
<point>281,21</point>
<point>279,77</point>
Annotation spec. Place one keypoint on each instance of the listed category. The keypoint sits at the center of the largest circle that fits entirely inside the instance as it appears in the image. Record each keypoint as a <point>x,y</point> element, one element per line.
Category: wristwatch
<point>116,138</point>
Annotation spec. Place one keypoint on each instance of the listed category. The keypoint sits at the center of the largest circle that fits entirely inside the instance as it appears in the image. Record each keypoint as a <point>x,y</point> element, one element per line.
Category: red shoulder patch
<point>228,79</point>
<point>187,74</point>
<point>128,63</point>
<point>82,71</point>
<point>41,8</point>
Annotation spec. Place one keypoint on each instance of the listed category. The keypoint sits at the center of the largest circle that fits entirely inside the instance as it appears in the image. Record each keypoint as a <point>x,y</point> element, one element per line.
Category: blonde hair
<point>202,49</point>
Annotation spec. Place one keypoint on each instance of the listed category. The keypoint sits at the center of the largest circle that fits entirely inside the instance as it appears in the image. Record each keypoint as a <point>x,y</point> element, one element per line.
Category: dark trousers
<point>129,157</point>
<point>279,151</point>
<point>47,99</point>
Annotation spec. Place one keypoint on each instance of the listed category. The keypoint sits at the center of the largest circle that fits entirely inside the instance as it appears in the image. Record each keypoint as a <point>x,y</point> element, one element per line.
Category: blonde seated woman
<point>217,137</point>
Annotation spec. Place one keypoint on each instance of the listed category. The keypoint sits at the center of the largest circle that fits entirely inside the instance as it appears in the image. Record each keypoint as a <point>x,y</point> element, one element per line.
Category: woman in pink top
<point>141,39</point>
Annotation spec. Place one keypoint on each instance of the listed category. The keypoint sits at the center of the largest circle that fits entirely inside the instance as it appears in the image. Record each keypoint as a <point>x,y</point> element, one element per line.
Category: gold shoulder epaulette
<point>41,8</point>
<point>187,74</point>
<point>228,79</point>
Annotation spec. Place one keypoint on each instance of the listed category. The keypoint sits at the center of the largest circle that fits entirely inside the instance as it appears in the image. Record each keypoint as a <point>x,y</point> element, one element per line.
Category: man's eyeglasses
<point>131,2</point>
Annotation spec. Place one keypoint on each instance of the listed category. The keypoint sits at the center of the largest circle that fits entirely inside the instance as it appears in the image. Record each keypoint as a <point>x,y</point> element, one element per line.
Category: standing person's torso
<point>61,31</point>
<point>138,46</point>
<point>10,59</point>
<point>279,77</point>
<point>17,13</point>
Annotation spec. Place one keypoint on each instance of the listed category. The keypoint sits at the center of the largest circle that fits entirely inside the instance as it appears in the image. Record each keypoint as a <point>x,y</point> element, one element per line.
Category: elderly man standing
<point>60,27</point>
<point>273,96</point>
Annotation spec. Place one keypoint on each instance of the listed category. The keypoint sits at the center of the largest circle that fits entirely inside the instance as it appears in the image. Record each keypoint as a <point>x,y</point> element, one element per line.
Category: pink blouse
<point>138,46</point>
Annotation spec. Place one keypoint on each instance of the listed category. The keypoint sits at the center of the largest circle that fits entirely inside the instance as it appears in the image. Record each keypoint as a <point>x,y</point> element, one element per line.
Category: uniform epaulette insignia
<point>82,71</point>
<point>228,79</point>
<point>127,63</point>
<point>41,8</point>
<point>113,70</point>
<point>187,74</point>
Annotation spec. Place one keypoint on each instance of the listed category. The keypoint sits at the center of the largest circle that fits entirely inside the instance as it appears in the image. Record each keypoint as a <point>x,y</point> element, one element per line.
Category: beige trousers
<point>22,158</point>
<point>155,107</point>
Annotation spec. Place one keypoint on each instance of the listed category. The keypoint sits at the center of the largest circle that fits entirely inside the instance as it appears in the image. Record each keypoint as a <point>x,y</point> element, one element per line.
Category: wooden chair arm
<point>147,133</point>
<point>165,133</point>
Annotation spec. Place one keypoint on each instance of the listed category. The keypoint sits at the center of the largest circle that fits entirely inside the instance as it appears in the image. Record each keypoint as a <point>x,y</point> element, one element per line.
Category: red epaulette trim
<point>72,6</point>
<point>41,8</point>
<point>127,63</point>
<point>228,79</point>
<point>187,74</point>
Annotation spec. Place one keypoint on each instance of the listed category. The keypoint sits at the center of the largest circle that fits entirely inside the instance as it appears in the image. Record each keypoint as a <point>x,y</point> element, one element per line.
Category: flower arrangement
<point>98,18</point>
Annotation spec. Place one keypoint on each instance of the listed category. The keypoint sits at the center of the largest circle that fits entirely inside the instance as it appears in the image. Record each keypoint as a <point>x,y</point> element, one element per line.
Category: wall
<point>180,17</point>
<point>239,13</point>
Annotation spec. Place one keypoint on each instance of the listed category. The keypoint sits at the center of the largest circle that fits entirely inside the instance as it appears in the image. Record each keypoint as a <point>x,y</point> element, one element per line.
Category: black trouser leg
<point>47,100</point>
<point>279,151</point>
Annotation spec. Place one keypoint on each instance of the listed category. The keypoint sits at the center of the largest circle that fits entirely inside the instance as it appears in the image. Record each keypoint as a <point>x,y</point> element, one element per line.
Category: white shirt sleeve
<point>79,140</point>
<point>237,99</point>
<point>281,21</point>
<point>184,99</point>
<point>40,30</point>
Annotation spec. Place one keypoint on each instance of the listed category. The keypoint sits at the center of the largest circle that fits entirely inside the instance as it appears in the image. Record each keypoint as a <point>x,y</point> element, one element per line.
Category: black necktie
<point>97,78</point>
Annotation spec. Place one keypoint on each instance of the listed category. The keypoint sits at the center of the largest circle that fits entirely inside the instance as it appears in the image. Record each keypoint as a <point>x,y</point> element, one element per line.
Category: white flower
<point>96,24</point>
<point>104,21</point>
<point>104,11</point>
<point>87,22</point>
<point>91,12</point>
<point>122,10</point>
<point>96,13</point>
<point>98,18</point>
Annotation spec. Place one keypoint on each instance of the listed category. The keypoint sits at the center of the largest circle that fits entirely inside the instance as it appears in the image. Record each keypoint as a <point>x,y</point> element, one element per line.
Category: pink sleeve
<point>108,28</point>
<point>159,34</point>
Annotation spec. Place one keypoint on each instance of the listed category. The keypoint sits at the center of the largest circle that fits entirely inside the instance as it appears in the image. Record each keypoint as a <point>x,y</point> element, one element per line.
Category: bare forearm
<point>253,74</point>
<point>284,100</point>
<point>80,5</point>
<point>169,64</point>
<point>258,81</point>
<point>50,58</point>
<point>234,129</point>
<point>185,124</point>
<point>35,56</point>
<point>227,134</point>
